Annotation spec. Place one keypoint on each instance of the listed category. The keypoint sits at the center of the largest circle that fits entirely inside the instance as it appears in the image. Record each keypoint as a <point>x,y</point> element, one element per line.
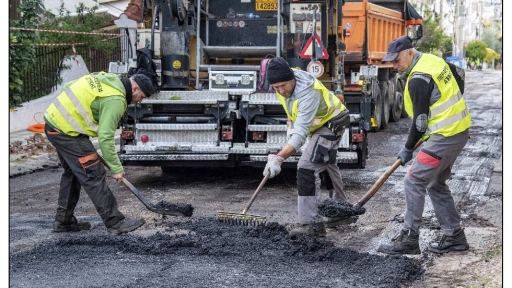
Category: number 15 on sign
<point>315,68</point>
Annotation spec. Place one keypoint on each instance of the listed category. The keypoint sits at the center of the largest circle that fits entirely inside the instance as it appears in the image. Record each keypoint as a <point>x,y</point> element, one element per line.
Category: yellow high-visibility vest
<point>334,106</point>
<point>71,110</point>
<point>449,115</point>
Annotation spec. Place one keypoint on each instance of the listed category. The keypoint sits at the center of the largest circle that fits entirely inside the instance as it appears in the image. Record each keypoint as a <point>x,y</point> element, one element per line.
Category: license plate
<point>268,5</point>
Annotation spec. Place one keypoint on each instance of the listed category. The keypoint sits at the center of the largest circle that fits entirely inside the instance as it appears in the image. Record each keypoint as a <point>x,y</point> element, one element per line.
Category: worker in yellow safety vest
<point>314,112</point>
<point>433,98</point>
<point>92,106</point>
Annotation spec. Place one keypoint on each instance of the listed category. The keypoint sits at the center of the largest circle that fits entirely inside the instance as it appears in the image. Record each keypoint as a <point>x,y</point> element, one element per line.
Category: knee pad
<point>306,182</point>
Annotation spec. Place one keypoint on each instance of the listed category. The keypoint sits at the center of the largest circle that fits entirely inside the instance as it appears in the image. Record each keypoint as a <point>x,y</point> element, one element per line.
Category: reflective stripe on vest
<point>447,122</point>
<point>81,110</point>
<point>334,106</point>
<point>71,111</point>
<point>448,115</point>
<point>449,103</point>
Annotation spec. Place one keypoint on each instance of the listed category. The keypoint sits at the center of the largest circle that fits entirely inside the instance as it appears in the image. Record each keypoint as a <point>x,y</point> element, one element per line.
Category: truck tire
<point>383,86</point>
<point>398,99</point>
<point>377,112</point>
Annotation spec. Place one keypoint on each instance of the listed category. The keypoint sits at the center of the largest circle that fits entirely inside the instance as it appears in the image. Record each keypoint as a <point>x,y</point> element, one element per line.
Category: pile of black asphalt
<point>184,208</point>
<point>337,208</point>
<point>204,252</point>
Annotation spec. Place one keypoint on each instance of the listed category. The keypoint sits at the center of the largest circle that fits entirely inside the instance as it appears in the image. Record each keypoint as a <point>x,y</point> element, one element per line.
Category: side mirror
<point>342,46</point>
<point>415,31</point>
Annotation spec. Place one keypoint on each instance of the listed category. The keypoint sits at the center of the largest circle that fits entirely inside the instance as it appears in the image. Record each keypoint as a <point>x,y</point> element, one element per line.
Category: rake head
<point>241,219</point>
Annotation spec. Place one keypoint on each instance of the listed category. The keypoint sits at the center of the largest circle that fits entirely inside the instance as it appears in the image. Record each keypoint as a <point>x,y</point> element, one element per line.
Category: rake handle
<point>376,186</point>
<point>255,194</point>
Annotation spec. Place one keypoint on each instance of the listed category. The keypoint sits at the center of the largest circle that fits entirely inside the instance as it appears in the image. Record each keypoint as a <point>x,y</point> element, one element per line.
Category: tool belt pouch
<point>339,122</point>
<point>325,149</point>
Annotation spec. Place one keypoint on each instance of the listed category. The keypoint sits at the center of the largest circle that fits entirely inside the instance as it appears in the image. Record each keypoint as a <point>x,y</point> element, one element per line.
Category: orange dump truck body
<point>368,29</point>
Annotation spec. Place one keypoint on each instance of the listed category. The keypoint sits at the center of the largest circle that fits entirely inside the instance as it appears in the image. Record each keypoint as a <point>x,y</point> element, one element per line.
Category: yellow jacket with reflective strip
<point>334,106</point>
<point>449,115</point>
<point>71,110</point>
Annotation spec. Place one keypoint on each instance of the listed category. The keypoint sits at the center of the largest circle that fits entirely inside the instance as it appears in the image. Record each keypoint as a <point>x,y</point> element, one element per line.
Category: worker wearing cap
<point>310,106</point>
<point>440,117</point>
<point>91,106</point>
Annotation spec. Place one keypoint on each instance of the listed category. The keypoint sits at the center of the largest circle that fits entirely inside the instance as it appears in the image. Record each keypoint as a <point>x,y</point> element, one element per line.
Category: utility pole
<point>456,40</point>
<point>441,13</point>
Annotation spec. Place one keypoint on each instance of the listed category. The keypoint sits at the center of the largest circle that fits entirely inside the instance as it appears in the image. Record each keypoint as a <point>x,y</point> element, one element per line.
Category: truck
<point>214,107</point>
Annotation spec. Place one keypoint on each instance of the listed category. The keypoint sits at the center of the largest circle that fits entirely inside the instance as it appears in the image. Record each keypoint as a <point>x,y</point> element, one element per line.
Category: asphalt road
<point>199,251</point>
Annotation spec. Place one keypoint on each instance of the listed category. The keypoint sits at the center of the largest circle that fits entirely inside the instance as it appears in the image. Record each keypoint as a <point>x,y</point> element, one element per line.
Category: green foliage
<point>84,20</point>
<point>21,48</point>
<point>476,49</point>
<point>491,37</point>
<point>491,55</point>
<point>22,51</point>
<point>434,39</point>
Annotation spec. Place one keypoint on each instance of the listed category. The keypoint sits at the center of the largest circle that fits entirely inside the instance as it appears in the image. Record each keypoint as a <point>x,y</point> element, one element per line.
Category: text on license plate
<point>266,6</point>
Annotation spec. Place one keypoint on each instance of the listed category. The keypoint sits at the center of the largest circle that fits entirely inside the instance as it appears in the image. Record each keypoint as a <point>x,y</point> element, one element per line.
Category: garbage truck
<point>214,107</point>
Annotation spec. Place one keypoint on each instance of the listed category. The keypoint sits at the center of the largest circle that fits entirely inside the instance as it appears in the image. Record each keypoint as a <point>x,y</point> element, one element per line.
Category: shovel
<point>162,207</point>
<point>341,209</point>
<point>376,186</point>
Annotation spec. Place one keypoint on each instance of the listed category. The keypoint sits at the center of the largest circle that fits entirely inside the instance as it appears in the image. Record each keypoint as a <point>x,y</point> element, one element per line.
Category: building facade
<point>464,20</point>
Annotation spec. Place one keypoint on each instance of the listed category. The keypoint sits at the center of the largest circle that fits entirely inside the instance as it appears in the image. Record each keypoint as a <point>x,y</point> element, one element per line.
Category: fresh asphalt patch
<point>205,252</point>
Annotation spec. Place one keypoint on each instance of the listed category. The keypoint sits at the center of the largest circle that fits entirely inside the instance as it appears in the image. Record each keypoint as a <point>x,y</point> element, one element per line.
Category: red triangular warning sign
<point>320,51</point>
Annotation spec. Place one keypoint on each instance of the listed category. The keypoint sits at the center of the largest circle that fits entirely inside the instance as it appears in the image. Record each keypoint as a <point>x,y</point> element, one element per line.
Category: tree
<point>22,52</point>
<point>21,47</point>
<point>85,20</point>
<point>491,35</point>
<point>476,49</point>
<point>433,40</point>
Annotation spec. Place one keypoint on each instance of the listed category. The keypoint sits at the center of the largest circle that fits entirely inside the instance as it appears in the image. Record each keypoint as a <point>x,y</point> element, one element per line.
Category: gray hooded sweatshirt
<point>310,103</point>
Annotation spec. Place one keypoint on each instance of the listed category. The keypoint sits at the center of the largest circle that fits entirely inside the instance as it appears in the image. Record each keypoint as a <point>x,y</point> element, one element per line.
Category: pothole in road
<point>263,249</point>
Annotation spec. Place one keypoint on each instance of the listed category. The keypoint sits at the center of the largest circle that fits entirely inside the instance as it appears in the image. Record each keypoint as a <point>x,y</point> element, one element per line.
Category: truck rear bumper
<point>344,157</point>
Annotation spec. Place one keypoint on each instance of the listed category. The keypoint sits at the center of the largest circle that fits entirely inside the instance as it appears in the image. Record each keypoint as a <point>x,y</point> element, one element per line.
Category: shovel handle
<point>130,186</point>
<point>256,193</point>
<point>141,198</point>
<point>376,186</point>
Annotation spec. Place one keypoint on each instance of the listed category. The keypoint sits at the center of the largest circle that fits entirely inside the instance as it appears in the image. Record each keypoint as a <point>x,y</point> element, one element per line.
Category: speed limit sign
<point>315,68</point>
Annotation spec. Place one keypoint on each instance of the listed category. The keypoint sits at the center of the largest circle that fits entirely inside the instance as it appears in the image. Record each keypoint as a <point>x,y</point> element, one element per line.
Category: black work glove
<point>405,155</point>
<point>338,123</point>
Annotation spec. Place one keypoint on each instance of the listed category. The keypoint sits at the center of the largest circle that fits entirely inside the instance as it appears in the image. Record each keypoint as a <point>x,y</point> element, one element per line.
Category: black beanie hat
<point>144,83</point>
<point>278,70</point>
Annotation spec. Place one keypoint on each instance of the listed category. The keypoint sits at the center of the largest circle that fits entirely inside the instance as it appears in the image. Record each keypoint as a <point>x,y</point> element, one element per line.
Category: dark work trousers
<point>428,174</point>
<point>319,157</point>
<point>82,168</point>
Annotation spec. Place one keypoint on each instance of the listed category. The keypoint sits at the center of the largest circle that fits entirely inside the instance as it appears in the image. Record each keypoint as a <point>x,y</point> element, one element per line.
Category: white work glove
<point>273,165</point>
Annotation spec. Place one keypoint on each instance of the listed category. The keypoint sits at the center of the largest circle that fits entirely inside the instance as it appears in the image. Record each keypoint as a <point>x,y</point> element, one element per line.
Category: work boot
<point>457,242</point>
<point>335,222</point>
<point>313,229</point>
<point>126,225</point>
<point>405,242</point>
<point>71,226</point>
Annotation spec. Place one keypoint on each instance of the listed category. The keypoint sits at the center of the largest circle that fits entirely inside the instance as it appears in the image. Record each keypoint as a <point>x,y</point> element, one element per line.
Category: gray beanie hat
<point>144,83</point>
<point>278,70</point>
